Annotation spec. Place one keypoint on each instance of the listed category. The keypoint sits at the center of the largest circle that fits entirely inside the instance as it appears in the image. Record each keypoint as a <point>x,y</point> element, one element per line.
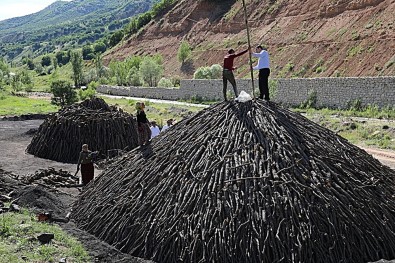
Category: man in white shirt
<point>168,125</point>
<point>264,71</point>
<point>154,129</point>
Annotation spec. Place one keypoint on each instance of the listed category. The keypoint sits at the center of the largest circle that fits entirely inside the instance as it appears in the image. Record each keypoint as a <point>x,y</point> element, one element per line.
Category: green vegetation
<point>352,125</point>
<point>18,243</point>
<point>353,51</point>
<point>160,112</point>
<point>13,105</point>
<point>68,25</point>
<point>213,72</point>
<point>143,19</point>
<point>63,93</point>
<point>184,51</point>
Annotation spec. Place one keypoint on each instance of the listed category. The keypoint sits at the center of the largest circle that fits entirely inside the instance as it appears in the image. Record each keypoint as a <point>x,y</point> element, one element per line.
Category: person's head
<point>140,105</point>
<point>85,147</point>
<point>259,49</point>
<point>153,123</point>
<point>231,51</point>
<point>170,122</point>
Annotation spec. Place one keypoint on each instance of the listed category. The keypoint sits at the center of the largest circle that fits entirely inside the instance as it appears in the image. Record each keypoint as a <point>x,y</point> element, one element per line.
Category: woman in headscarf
<point>143,127</point>
<point>86,162</point>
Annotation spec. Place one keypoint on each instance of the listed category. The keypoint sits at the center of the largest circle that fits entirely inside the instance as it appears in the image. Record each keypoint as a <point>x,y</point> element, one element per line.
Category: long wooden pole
<point>249,46</point>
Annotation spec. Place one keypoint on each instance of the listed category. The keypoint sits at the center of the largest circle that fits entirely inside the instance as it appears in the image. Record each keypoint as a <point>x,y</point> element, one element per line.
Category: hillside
<point>70,23</point>
<point>305,38</point>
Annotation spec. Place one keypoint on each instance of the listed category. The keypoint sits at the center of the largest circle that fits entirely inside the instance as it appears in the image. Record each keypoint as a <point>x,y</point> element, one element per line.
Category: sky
<point>14,8</point>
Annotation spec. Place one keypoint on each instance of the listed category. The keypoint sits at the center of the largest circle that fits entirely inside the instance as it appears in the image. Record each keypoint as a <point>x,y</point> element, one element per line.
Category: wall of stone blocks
<point>330,92</point>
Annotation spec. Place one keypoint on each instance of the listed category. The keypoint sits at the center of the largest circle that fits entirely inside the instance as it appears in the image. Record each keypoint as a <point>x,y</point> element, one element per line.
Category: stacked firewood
<point>51,177</point>
<point>245,182</point>
<point>103,128</point>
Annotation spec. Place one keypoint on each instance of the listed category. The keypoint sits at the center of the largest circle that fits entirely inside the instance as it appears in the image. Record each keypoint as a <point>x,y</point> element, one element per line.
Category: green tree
<point>100,69</point>
<point>134,78</point>
<point>63,93</point>
<point>184,51</point>
<point>87,52</point>
<point>99,47</point>
<point>77,65</point>
<point>151,71</point>
<point>116,38</point>
<point>46,61</point>
<point>120,71</point>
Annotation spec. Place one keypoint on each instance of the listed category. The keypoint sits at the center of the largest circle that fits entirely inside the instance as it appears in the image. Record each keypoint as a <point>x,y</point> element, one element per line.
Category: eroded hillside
<point>305,38</point>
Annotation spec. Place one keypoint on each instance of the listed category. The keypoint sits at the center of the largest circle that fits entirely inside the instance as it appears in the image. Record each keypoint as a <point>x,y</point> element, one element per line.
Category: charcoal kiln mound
<point>93,122</point>
<point>245,182</point>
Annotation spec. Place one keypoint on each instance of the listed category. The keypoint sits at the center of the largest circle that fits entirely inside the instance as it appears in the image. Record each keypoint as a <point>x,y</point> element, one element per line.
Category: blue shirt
<point>263,59</point>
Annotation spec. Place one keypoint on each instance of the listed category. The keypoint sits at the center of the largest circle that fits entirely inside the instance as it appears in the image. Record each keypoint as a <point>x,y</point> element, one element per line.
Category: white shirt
<point>154,131</point>
<point>165,127</point>
<point>263,59</point>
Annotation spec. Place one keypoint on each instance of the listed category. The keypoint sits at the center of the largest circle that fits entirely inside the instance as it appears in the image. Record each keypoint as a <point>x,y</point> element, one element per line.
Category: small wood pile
<point>245,182</point>
<point>51,177</point>
<point>93,122</point>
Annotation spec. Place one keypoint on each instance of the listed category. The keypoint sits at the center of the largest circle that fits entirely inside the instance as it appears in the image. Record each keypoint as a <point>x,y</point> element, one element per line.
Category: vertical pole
<point>249,46</point>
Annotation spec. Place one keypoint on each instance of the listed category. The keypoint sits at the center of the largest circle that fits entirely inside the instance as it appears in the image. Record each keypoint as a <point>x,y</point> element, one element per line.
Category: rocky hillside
<point>305,38</point>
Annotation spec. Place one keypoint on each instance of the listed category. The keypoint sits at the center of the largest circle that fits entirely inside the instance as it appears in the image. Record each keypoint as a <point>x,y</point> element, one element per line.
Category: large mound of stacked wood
<point>93,122</point>
<point>245,182</point>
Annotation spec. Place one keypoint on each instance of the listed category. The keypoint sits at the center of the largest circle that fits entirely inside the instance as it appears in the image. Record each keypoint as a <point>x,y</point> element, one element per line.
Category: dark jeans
<point>227,75</point>
<point>264,83</point>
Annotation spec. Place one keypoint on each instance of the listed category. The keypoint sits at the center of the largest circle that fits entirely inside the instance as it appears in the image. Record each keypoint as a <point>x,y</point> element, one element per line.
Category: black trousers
<point>264,74</point>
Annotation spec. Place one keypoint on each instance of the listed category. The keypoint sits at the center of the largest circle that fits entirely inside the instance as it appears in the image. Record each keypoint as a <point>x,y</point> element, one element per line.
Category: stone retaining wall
<point>329,92</point>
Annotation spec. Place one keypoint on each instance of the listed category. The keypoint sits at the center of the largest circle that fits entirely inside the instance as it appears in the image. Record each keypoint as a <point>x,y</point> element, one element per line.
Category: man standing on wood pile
<point>264,71</point>
<point>227,73</point>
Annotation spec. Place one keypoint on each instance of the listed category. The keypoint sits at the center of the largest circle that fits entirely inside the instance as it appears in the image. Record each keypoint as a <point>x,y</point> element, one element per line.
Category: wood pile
<point>51,177</point>
<point>245,182</point>
<point>93,122</point>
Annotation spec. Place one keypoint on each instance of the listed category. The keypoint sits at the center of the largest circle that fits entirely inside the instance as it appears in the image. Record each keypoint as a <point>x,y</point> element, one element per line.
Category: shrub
<point>165,83</point>
<point>213,72</point>
<point>202,73</point>
<point>216,71</point>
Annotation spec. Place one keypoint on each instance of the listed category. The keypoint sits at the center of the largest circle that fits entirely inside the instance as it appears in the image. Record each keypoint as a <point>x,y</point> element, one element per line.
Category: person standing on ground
<point>154,129</point>
<point>264,71</point>
<point>227,73</point>
<point>143,128</point>
<point>86,162</point>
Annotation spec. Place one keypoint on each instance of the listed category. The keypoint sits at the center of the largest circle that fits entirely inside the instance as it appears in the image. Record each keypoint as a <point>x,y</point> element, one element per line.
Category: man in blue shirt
<point>264,71</point>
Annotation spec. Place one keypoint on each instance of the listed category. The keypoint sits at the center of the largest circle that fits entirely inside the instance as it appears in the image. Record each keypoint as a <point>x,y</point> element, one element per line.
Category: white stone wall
<point>330,92</point>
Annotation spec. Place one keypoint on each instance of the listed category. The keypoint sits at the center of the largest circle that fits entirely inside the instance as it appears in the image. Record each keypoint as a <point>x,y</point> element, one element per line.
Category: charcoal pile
<point>93,122</point>
<point>245,182</point>
<point>51,177</point>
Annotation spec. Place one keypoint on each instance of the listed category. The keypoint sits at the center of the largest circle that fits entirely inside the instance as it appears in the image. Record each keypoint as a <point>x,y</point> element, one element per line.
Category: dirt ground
<point>13,142</point>
<point>13,159</point>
